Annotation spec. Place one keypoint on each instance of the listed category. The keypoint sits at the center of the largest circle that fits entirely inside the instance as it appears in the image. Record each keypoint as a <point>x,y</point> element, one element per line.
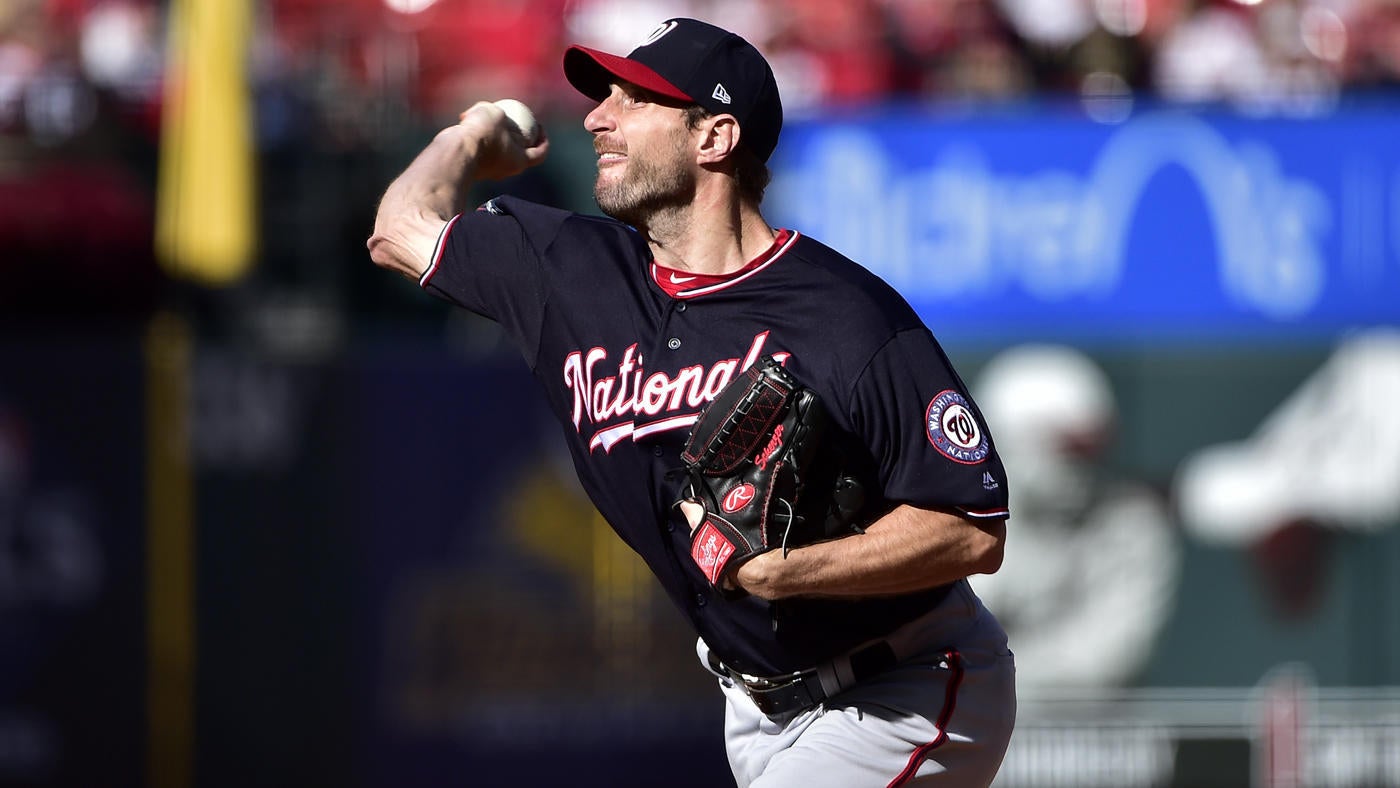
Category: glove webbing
<point>740,433</point>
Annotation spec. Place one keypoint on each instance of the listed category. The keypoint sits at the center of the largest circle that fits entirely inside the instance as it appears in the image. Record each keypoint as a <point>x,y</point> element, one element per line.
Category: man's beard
<point>645,190</point>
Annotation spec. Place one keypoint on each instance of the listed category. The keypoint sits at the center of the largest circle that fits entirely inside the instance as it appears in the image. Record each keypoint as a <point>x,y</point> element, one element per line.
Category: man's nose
<point>600,119</point>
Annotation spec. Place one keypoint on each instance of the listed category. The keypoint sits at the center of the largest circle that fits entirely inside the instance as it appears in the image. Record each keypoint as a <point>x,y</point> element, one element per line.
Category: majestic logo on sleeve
<point>954,431</point>
<point>634,404</point>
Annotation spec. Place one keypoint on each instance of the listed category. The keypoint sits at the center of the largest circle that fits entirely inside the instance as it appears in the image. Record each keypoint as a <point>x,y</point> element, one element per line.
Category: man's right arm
<point>421,201</point>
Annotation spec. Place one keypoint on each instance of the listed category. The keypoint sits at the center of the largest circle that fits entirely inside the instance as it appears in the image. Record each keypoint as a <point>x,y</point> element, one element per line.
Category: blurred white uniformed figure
<point>1325,461</point>
<point>1092,559</point>
<point>1330,454</point>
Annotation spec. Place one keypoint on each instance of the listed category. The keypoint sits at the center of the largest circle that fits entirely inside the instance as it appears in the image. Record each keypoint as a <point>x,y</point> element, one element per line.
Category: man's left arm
<point>910,549</point>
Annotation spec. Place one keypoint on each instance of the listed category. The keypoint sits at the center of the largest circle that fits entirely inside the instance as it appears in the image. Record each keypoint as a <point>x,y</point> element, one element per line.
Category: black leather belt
<point>802,690</point>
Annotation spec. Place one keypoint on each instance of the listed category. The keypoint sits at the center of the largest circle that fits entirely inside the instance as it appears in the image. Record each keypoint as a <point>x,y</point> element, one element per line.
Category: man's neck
<point>708,236</point>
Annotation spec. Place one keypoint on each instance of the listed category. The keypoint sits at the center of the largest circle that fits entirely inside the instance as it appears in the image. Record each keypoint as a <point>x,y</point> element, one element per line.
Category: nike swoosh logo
<point>680,280</point>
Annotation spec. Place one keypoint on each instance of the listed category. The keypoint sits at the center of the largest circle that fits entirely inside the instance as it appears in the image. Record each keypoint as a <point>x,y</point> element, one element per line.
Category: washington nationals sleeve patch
<point>953,429</point>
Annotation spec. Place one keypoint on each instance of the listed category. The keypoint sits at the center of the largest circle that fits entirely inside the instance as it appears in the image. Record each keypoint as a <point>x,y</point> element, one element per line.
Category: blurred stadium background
<point>269,516</point>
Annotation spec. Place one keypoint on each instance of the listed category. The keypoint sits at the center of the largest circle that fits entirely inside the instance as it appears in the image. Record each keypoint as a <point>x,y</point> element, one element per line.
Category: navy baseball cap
<point>697,63</point>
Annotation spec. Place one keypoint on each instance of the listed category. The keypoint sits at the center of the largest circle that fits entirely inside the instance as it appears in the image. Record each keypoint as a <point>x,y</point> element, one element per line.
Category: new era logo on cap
<point>693,62</point>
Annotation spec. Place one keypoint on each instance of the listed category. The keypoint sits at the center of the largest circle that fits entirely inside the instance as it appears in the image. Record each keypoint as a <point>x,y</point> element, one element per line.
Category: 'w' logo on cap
<point>721,95</point>
<point>661,30</point>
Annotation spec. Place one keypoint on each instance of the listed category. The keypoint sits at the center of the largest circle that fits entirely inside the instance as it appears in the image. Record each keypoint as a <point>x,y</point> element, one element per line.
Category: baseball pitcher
<point>768,424</point>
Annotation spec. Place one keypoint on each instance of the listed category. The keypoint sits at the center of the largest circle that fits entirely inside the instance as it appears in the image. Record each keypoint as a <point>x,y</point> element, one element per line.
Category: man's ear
<point>719,139</point>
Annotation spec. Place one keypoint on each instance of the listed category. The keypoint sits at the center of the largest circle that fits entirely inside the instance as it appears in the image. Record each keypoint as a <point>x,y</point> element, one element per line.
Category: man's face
<point>644,152</point>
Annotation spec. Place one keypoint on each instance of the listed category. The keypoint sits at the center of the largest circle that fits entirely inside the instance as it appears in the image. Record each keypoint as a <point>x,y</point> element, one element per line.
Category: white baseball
<point>523,119</point>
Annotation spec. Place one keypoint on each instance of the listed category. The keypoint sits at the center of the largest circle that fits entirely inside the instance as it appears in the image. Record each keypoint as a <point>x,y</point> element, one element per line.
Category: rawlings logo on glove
<point>760,464</point>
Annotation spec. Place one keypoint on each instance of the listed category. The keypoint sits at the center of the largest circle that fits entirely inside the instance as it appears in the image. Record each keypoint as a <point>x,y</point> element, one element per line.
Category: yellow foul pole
<point>205,217</point>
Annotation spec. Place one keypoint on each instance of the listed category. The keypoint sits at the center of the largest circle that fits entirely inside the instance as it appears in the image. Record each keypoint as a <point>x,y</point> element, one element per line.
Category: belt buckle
<point>782,694</point>
<point>762,683</point>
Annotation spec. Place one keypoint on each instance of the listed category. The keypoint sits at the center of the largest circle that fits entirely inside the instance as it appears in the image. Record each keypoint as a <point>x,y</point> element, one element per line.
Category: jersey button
<point>701,600</point>
<point>673,343</point>
<point>680,307</point>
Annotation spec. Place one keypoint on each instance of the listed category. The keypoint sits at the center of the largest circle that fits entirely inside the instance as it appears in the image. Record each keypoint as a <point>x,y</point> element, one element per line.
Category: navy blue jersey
<point>626,366</point>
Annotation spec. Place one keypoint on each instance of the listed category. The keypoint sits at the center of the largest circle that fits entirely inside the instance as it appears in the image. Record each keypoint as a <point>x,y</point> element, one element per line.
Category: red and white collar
<point>686,284</point>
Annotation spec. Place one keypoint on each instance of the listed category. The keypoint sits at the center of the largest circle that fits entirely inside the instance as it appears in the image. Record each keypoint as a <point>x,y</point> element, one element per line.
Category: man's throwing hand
<point>509,140</point>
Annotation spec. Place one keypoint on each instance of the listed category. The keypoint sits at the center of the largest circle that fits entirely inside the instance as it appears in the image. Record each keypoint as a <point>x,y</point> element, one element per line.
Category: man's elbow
<point>989,549</point>
<point>381,251</point>
<point>388,250</point>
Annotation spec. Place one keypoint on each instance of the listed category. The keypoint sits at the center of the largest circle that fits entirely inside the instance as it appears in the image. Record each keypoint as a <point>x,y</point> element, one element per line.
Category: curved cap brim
<point>591,72</point>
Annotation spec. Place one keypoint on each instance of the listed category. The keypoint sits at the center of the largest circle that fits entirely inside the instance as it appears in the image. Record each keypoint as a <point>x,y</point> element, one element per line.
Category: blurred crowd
<point>61,60</point>
<point>82,86</point>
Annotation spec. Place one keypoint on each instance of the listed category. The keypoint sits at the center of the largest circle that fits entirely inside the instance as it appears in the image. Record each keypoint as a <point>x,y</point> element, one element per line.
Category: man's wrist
<point>465,142</point>
<point>763,574</point>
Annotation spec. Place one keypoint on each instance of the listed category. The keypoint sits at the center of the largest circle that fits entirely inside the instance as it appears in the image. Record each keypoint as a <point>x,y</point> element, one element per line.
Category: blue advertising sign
<point>1172,225</point>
